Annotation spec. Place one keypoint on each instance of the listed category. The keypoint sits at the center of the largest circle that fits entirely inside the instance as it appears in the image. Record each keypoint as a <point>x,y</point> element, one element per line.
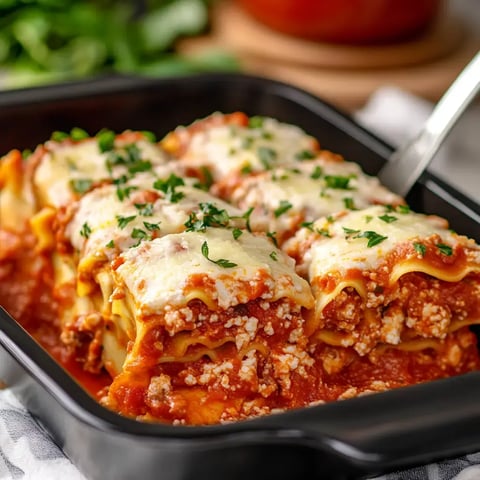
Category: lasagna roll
<point>386,277</point>
<point>216,328</point>
<point>225,147</point>
<point>285,198</point>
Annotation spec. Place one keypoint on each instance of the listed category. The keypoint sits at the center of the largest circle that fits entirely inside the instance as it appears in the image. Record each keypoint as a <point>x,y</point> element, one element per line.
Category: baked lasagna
<point>232,269</point>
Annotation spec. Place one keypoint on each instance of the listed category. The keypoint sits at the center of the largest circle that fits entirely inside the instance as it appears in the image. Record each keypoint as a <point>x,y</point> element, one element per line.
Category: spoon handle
<point>408,162</point>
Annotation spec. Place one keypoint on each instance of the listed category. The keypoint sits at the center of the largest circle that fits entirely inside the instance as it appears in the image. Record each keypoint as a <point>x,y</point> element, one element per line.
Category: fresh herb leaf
<point>349,203</point>
<point>168,187</point>
<point>403,209</point>
<point>140,234</point>
<point>283,207</point>
<point>350,231</point>
<point>246,216</point>
<point>274,256</point>
<point>305,155</point>
<point>420,248</point>
<point>207,179</point>
<point>255,122</point>
<point>124,221</point>
<point>272,236</point>
<point>267,156</point>
<point>124,192</point>
<point>236,232</point>
<point>140,166</point>
<point>317,172</point>
<point>145,209</point>
<point>81,185</point>
<point>445,249</point>
<point>152,226</point>
<point>85,230</point>
<point>388,218</point>
<point>246,169</point>
<point>150,136</point>
<point>59,136</point>
<point>339,182</point>
<point>110,244</point>
<point>221,262</point>
<point>106,140</point>
<point>78,134</point>
<point>373,238</point>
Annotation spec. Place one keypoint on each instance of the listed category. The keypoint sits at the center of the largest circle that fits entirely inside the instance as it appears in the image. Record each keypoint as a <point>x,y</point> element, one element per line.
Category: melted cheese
<point>157,273</point>
<point>344,251</point>
<point>65,162</point>
<point>100,209</point>
<point>310,197</point>
<point>227,149</point>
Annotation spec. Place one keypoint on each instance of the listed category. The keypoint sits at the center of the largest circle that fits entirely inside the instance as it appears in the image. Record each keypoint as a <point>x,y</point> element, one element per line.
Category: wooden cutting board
<point>344,75</point>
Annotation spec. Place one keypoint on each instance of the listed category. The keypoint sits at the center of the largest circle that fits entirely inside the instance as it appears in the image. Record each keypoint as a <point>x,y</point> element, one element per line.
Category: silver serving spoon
<point>409,161</point>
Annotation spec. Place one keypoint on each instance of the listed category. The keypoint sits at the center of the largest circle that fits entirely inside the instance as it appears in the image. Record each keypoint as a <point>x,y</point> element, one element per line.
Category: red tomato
<point>345,21</point>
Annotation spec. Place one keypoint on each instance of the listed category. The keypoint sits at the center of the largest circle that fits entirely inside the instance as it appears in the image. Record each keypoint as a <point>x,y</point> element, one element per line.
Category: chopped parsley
<point>140,234</point>
<point>124,192</point>
<point>305,155</point>
<point>124,221</point>
<point>274,256</point>
<point>256,122</point>
<point>59,136</point>
<point>236,232</point>
<point>445,249</point>
<point>145,209</point>
<point>273,238</point>
<point>317,172</point>
<point>246,169</point>
<point>211,216</point>
<point>221,262</point>
<point>85,230</point>
<point>168,187</point>
<point>81,185</point>
<point>420,248</point>
<point>267,156</point>
<point>110,244</point>
<point>106,140</point>
<point>339,182</point>
<point>139,166</point>
<point>152,226</point>
<point>388,218</point>
<point>150,136</point>
<point>77,134</point>
<point>349,203</point>
<point>373,238</point>
<point>283,207</point>
<point>246,217</point>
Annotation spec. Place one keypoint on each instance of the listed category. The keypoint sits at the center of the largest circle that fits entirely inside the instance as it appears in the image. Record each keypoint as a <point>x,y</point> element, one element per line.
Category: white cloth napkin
<point>397,116</point>
<point>26,451</point>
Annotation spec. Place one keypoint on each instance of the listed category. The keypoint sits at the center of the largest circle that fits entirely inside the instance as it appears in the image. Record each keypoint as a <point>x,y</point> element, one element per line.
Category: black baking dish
<point>349,439</point>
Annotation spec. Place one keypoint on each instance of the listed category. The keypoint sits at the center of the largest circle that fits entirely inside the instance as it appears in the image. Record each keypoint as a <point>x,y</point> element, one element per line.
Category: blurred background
<point>343,50</point>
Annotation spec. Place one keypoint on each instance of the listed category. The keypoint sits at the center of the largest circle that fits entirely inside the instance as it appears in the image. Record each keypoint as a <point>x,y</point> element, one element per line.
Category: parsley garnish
<point>207,179</point>
<point>236,232</point>
<point>150,136</point>
<point>124,221</point>
<point>445,249</point>
<point>59,136</point>
<point>139,233</point>
<point>106,140</point>
<point>246,169</point>
<point>338,182</point>
<point>140,166</point>
<point>403,209</point>
<point>110,244</point>
<point>373,238</point>
<point>388,218</point>
<point>212,217</point>
<point>317,172</point>
<point>284,206</point>
<point>168,187</point>
<point>221,262</point>
<point>77,134</point>
<point>255,122</point>
<point>420,248</point>
<point>305,155</point>
<point>246,217</point>
<point>124,192</point>
<point>272,236</point>
<point>267,156</point>
<point>350,231</point>
<point>152,226</point>
<point>349,203</point>
<point>274,256</point>
<point>81,185</point>
<point>86,230</point>
<point>145,209</point>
